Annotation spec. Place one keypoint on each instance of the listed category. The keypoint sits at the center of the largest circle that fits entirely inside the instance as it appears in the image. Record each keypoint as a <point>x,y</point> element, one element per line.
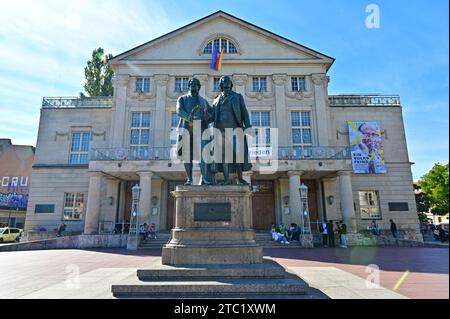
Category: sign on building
<point>367,147</point>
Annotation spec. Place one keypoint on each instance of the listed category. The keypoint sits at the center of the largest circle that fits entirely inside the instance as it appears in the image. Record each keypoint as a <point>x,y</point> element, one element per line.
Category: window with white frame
<point>175,119</point>
<point>140,129</point>
<point>142,85</point>
<point>261,124</point>
<point>73,206</point>
<point>301,128</point>
<point>216,84</point>
<point>181,84</point>
<point>259,84</point>
<point>80,148</point>
<point>298,83</point>
<point>369,205</point>
<point>227,45</point>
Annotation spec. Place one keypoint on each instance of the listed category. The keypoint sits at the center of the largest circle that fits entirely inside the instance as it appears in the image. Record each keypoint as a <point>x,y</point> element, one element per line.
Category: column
<point>160,130</point>
<point>280,109</point>
<point>145,199</point>
<point>320,210</point>
<point>294,196</point>
<point>347,208</point>
<point>93,204</point>
<point>112,193</point>
<point>119,118</point>
<point>320,82</point>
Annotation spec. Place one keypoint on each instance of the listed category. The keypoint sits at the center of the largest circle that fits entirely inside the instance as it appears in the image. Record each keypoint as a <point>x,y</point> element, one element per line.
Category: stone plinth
<point>213,225</point>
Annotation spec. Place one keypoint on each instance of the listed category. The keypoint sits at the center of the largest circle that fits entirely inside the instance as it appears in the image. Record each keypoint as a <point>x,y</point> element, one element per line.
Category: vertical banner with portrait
<point>367,147</point>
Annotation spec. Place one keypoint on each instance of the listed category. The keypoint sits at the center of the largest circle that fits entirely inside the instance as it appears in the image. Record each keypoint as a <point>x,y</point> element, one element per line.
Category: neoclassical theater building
<point>90,152</point>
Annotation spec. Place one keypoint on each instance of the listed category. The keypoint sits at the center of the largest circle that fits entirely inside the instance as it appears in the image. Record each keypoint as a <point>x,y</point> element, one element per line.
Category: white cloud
<point>44,46</point>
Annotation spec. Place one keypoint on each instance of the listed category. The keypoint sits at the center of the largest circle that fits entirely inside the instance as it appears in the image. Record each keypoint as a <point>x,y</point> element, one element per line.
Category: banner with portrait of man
<point>366,147</point>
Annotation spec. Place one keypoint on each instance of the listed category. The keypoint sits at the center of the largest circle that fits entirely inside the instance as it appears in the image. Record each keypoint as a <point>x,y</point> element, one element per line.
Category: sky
<point>44,46</point>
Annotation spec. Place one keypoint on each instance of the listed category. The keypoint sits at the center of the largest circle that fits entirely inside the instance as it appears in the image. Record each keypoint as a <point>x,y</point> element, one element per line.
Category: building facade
<point>15,175</point>
<point>91,152</point>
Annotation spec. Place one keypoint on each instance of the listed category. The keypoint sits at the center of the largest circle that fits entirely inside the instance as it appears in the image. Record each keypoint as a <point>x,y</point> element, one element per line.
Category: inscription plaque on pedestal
<point>212,212</point>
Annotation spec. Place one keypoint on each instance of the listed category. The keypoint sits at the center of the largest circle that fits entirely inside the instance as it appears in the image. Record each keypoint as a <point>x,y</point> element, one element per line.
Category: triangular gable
<point>185,42</point>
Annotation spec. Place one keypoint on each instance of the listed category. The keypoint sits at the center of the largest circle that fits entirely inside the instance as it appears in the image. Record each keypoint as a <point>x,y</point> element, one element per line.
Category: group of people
<point>148,231</point>
<point>376,230</point>
<point>285,234</point>
<point>330,230</point>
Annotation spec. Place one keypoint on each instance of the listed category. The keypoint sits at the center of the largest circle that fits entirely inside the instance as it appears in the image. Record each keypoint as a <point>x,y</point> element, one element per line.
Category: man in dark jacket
<point>230,112</point>
<point>393,229</point>
<point>330,232</point>
<point>191,107</point>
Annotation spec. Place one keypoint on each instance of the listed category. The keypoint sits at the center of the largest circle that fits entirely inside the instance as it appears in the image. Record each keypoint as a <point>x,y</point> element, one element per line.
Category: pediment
<point>253,43</point>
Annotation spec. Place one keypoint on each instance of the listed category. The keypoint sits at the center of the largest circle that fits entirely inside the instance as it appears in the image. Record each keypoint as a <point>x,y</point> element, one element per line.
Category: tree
<point>434,184</point>
<point>423,202</point>
<point>98,75</point>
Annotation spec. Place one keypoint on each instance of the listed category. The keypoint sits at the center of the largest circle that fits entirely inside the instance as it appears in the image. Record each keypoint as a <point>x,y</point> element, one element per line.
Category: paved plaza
<point>337,273</point>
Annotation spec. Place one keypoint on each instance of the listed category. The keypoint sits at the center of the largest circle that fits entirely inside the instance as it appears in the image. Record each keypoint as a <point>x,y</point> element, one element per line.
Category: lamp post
<point>134,225</point>
<point>304,210</point>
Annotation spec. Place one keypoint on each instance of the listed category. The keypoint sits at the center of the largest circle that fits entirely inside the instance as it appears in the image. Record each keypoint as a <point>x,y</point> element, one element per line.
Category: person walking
<point>323,230</point>
<point>330,232</point>
<point>393,228</point>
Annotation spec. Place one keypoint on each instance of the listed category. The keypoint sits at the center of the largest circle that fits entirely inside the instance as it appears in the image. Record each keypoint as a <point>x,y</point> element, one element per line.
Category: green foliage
<point>98,75</point>
<point>435,185</point>
<point>423,218</point>
<point>423,202</point>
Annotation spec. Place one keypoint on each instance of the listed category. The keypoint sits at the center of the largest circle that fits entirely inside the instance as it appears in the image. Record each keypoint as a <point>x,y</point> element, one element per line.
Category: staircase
<point>263,238</point>
<point>161,239</point>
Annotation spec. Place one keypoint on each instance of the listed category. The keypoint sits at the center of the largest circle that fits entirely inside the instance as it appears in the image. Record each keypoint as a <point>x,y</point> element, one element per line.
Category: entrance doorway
<point>263,203</point>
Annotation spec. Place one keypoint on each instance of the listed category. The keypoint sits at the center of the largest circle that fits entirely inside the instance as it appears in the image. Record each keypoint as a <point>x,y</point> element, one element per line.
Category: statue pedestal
<point>213,225</point>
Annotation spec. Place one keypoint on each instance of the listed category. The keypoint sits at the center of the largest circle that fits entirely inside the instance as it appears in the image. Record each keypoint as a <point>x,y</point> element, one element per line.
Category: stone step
<point>264,270</point>
<point>132,288</point>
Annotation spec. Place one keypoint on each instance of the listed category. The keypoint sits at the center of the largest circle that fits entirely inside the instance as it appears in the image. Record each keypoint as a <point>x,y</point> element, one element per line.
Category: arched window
<point>227,45</point>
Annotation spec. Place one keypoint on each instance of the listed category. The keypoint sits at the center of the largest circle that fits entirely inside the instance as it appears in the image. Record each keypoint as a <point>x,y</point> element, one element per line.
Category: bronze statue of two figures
<point>214,135</point>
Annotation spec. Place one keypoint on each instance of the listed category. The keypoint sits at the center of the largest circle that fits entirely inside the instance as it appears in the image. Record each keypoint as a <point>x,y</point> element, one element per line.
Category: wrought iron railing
<point>364,100</point>
<point>314,152</point>
<point>72,102</point>
<point>131,153</point>
<point>168,153</point>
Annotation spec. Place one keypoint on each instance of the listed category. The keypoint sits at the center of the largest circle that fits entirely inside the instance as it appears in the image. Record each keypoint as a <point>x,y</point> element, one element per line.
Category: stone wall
<point>70,242</point>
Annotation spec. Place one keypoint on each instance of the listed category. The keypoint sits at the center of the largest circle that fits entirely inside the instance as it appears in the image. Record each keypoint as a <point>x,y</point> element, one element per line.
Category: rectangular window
<point>80,147</point>
<point>181,84</point>
<point>261,124</point>
<point>173,126</point>
<point>301,128</point>
<point>259,84</point>
<point>216,85</point>
<point>73,206</point>
<point>298,83</point>
<point>142,85</point>
<point>140,128</point>
<point>369,205</point>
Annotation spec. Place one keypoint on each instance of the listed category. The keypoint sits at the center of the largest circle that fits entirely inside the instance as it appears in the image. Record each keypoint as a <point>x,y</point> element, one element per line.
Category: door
<point>263,203</point>
<point>170,220</point>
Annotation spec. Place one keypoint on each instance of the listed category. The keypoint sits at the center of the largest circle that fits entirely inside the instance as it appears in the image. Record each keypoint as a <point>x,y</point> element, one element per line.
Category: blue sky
<point>44,46</point>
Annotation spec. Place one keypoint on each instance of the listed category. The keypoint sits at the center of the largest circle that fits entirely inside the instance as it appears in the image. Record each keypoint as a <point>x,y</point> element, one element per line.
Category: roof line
<point>212,14</point>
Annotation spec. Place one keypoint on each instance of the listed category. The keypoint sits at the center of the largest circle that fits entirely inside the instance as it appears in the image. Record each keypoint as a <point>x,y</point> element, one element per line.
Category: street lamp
<point>136,192</point>
<point>304,210</point>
